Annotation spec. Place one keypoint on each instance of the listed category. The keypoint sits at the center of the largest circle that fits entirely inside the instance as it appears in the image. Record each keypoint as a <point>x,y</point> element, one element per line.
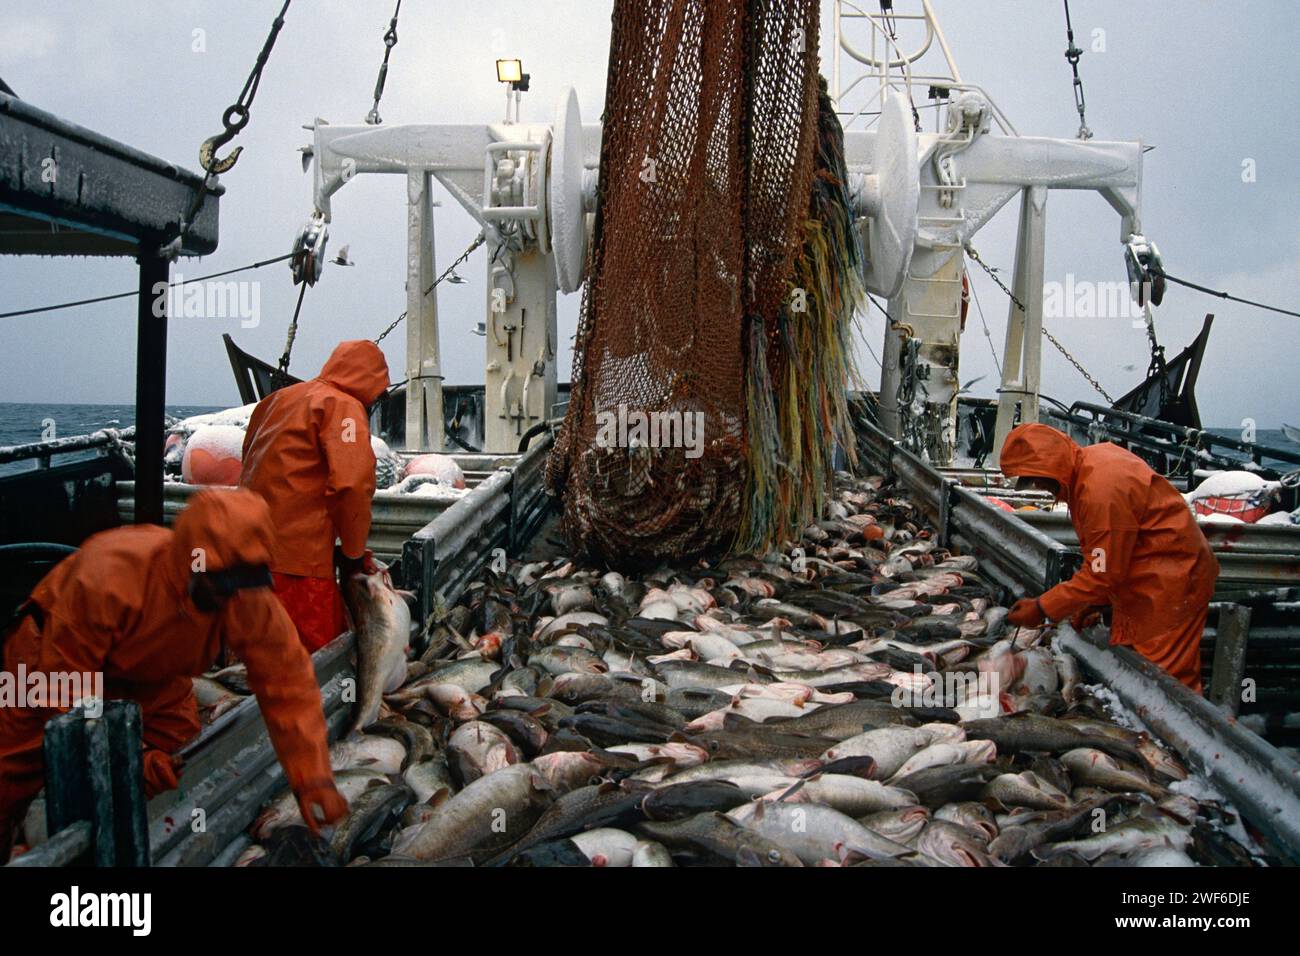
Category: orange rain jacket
<point>1142,551</point>
<point>120,607</point>
<point>307,452</point>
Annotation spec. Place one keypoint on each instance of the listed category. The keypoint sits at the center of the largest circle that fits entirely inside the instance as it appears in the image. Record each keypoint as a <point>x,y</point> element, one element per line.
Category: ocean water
<point>1272,437</point>
<point>22,423</point>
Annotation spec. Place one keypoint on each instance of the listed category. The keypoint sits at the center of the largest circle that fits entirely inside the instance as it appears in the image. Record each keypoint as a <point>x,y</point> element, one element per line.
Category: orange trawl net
<point>705,170</point>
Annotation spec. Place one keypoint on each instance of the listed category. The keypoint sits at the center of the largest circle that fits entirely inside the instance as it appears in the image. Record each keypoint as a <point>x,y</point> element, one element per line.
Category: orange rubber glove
<point>159,772</point>
<point>321,804</point>
<point>1082,620</point>
<point>1026,612</point>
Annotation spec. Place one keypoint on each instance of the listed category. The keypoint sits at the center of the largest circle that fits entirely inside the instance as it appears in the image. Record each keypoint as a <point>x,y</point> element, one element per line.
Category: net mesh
<point>709,147</point>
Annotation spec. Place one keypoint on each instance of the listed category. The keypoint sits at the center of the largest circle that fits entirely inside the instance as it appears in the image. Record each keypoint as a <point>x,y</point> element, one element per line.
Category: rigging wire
<point>887,16</point>
<point>234,119</point>
<point>390,41</point>
<point>1073,53</point>
<point>127,295</point>
<point>987,334</point>
<point>1224,295</point>
<point>293,333</point>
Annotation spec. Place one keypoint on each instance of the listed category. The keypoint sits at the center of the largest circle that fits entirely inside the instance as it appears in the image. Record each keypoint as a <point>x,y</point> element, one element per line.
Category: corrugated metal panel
<point>1248,555</point>
<point>394,518</point>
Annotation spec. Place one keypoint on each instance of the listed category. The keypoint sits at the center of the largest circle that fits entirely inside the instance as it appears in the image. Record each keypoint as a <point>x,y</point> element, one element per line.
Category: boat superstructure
<point>922,195</point>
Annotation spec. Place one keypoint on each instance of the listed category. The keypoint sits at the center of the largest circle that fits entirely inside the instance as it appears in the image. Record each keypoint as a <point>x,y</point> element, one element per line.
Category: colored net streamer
<point>711,151</point>
<point>801,362</point>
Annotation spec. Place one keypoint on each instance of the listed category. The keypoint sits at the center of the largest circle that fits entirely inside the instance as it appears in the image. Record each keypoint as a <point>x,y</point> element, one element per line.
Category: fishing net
<point>674,433</point>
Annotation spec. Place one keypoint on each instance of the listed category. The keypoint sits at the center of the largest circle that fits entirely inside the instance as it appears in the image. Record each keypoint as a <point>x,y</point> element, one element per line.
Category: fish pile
<point>855,700</point>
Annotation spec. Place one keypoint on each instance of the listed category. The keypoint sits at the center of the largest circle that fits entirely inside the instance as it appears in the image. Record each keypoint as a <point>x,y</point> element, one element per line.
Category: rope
<point>390,41</point>
<point>126,295</point>
<point>293,332</point>
<point>1072,53</point>
<point>448,271</point>
<point>993,274</point>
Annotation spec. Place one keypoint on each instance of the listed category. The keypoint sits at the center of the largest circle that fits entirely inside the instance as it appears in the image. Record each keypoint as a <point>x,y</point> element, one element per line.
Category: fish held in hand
<point>382,622</point>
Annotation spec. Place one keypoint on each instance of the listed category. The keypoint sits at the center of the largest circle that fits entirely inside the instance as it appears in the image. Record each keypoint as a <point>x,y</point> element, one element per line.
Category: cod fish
<point>382,622</point>
<point>814,832</point>
<point>713,838</point>
<point>369,814</point>
<point>368,752</point>
<point>284,810</point>
<point>954,845</point>
<point>491,813</point>
<point>606,846</point>
<point>1093,768</point>
<point>477,749</point>
<point>1148,830</point>
<point>1046,734</point>
<point>213,698</point>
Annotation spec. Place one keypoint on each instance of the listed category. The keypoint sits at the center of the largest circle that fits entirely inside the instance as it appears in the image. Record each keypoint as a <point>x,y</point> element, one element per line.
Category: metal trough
<point>1027,558</point>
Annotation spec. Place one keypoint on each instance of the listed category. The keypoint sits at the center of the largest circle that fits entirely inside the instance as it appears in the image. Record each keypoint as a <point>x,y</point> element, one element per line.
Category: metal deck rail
<point>1020,557</point>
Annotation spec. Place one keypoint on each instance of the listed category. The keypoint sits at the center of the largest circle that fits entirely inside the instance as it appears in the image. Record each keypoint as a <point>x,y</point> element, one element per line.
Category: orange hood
<point>1038,451</point>
<point>225,529</point>
<point>357,367</point>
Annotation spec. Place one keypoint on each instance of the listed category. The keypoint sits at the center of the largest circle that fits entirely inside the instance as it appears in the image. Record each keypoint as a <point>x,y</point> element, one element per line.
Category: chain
<point>233,121</point>
<point>482,237</point>
<point>993,274</point>
<point>390,41</point>
<point>1072,53</point>
<point>1082,371</point>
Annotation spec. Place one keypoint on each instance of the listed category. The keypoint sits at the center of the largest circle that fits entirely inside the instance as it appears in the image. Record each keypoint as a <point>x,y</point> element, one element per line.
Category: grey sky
<point>1210,84</point>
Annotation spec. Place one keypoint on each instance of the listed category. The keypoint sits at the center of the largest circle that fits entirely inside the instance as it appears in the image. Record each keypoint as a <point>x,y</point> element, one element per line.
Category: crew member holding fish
<point>149,609</point>
<point>307,452</point>
<point>1143,553</point>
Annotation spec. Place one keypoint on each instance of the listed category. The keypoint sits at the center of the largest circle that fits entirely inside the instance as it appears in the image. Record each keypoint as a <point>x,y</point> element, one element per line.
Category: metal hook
<point>234,119</point>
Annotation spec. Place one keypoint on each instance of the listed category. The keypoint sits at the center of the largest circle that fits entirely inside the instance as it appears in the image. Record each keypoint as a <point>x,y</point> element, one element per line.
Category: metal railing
<point>885,55</point>
<point>109,440</point>
<point>1019,557</point>
<point>1177,443</point>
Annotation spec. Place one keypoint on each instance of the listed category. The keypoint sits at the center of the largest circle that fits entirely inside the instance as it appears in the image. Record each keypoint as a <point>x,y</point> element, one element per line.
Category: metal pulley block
<point>308,257</point>
<point>1145,270</point>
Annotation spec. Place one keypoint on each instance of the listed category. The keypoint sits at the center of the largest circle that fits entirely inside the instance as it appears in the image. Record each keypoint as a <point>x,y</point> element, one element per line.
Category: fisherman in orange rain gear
<point>1143,553</point>
<point>307,452</point>
<point>150,609</point>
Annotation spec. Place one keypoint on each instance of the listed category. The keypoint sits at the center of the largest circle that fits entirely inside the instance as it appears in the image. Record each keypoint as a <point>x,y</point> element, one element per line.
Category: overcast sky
<point>1210,84</point>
